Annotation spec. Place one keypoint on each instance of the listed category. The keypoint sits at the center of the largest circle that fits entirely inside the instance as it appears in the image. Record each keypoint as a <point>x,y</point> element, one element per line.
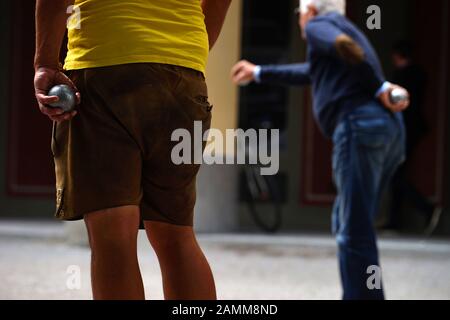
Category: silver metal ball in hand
<point>66,95</point>
<point>398,95</point>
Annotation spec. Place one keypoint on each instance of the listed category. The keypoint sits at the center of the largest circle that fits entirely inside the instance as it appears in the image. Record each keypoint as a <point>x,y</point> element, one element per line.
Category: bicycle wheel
<point>263,189</point>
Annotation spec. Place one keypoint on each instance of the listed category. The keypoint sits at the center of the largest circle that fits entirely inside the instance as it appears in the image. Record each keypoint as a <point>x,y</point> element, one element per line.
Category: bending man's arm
<point>326,39</point>
<point>51,19</point>
<point>288,74</point>
<point>245,72</point>
<point>215,12</point>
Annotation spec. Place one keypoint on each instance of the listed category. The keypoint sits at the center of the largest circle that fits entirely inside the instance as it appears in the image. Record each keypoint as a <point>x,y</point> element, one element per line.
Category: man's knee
<point>165,237</point>
<point>113,230</point>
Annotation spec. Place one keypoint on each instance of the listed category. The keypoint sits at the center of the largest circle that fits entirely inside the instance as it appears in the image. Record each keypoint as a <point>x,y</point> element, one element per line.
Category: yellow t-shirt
<point>113,32</point>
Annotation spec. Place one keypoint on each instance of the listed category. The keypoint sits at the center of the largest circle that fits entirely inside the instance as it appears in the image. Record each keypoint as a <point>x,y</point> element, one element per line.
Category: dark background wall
<point>17,26</point>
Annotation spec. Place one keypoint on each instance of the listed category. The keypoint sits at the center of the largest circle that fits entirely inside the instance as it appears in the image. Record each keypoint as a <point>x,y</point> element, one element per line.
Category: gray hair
<point>324,6</point>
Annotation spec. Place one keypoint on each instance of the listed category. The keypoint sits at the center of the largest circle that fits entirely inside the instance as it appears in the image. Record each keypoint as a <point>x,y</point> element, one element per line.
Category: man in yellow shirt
<point>137,68</point>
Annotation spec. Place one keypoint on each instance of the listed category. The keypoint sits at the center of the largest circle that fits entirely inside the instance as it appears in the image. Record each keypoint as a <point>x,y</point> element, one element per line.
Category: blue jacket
<point>337,86</point>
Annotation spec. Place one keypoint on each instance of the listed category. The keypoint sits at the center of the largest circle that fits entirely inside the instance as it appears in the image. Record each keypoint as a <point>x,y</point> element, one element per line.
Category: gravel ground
<point>245,267</point>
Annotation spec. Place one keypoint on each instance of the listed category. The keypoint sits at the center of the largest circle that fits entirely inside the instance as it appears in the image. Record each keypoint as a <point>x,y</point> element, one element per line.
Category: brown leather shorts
<point>117,150</point>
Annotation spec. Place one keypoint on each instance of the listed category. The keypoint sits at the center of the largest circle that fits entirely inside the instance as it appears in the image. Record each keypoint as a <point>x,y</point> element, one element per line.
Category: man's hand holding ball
<point>52,105</point>
<point>395,98</point>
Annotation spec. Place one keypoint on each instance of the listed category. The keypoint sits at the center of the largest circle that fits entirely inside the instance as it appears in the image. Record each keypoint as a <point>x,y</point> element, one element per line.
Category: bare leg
<point>115,270</point>
<point>185,271</point>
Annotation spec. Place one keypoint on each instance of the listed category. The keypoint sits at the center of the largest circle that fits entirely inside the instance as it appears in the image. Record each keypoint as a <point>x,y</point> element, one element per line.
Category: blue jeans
<point>369,145</point>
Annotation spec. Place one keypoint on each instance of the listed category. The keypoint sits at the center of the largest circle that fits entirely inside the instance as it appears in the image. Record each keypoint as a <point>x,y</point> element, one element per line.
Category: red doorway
<point>30,171</point>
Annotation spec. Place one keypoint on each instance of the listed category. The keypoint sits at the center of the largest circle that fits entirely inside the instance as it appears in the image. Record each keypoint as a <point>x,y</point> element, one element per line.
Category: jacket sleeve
<point>322,39</point>
<point>289,74</point>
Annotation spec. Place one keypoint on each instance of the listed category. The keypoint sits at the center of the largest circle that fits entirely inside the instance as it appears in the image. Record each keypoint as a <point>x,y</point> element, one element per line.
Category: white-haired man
<point>351,106</point>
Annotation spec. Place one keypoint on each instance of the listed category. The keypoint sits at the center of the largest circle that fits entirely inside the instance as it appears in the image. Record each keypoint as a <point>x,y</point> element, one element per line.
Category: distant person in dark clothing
<point>410,76</point>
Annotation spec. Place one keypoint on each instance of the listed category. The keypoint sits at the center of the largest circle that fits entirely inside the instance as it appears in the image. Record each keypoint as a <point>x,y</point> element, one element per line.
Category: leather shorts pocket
<point>204,107</point>
<point>59,137</point>
<point>196,102</point>
<point>59,203</point>
<point>53,142</point>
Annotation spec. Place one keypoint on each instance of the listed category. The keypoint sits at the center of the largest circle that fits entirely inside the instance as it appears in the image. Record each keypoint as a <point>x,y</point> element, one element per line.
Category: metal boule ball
<point>66,95</point>
<point>398,95</point>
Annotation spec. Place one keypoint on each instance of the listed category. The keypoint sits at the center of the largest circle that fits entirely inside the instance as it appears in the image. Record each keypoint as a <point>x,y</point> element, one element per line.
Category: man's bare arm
<point>51,18</point>
<point>215,12</point>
